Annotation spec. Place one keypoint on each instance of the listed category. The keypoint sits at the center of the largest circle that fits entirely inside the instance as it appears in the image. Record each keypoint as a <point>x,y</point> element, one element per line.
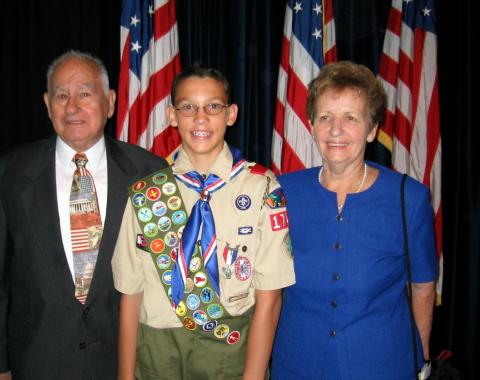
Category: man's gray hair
<point>75,54</point>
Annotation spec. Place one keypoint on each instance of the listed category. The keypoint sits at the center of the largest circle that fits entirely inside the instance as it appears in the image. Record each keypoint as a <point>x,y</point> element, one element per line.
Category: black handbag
<point>441,369</point>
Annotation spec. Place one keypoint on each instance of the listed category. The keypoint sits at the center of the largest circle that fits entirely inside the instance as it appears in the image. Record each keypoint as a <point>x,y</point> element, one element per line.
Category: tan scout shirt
<point>257,230</point>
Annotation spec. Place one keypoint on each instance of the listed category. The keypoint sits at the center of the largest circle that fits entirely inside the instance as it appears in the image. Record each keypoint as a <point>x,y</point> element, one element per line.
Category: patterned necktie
<point>201,216</point>
<point>86,227</point>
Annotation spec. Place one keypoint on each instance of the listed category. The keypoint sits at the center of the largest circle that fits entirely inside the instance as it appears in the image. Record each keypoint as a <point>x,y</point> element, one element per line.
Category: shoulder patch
<point>258,169</point>
<point>276,198</point>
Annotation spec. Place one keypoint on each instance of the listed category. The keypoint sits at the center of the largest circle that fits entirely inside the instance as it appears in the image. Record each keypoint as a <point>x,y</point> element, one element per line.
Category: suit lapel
<point>40,194</point>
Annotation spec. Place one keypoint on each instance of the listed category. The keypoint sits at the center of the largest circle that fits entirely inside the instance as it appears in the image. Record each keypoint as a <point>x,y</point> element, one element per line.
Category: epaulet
<point>258,169</point>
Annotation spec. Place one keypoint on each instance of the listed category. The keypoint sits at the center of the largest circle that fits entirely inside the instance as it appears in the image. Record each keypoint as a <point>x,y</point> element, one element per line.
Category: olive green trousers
<point>179,354</point>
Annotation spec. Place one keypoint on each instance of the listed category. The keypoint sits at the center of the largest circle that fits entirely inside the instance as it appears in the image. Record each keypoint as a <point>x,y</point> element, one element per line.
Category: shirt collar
<point>222,166</point>
<point>95,154</point>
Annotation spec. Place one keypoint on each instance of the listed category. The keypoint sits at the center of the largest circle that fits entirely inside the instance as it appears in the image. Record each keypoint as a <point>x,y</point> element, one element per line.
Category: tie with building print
<point>86,227</point>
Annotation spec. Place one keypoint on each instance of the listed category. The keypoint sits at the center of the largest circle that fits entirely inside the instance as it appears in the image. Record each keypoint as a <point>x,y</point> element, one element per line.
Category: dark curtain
<point>243,38</point>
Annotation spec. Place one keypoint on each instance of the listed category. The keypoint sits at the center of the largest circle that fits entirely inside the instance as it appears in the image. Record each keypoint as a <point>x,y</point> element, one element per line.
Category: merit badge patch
<point>137,186</point>
<point>145,214</point>
<point>193,302</point>
<point>210,325</point>
<point>153,193</point>
<point>279,221</point>
<point>243,202</point>
<point>189,323</point>
<point>215,311</point>
<point>276,199</point>
<point>189,285</point>
<point>139,200</point>
<point>150,229</point>
<point>181,309</point>
<point>221,331</point>
<point>200,279</point>
<point>243,268</point>
<point>159,178</point>
<point>159,208</point>
<point>164,223</point>
<point>163,261</point>
<point>200,317</point>
<point>157,245</point>
<point>169,188</point>
<point>174,203</point>
<point>233,337</point>
<point>167,277</point>
<point>141,242</point>
<point>195,264</point>
<point>171,239</point>
<point>179,217</point>
<point>206,295</point>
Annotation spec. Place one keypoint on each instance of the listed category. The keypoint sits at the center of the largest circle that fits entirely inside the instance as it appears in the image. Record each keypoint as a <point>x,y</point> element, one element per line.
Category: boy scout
<point>203,251</point>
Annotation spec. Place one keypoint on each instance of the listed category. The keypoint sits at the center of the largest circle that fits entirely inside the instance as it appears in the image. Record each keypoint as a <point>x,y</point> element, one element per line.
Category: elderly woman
<point>347,317</point>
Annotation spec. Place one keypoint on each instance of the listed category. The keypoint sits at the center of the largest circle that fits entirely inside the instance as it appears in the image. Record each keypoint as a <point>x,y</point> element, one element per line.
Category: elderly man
<point>61,203</point>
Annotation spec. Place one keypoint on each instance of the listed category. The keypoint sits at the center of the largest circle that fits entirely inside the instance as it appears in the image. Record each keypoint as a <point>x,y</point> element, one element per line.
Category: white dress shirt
<point>64,169</point>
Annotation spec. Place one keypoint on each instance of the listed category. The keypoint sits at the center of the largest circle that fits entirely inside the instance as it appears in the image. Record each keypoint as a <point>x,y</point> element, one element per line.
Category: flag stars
<point>317,34</point>
<point>136,46</point>
<point>150,10</point>
<point>317,9</point>
<point>426,11</point>
<point>298,7</point>
<point>134,20</point>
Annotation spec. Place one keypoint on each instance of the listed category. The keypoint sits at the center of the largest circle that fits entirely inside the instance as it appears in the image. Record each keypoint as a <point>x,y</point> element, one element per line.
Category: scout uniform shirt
<point>251,227</point>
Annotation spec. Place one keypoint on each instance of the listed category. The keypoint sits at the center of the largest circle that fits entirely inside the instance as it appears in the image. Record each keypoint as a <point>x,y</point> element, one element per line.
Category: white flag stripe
<point>157,123</point>
<point>277,145</point>
<point>301,62</point>
<point>300,139</point>
<point>391,49</point>
<point>329,35</point>
<point>282,86</point>
<point>159,3</point>
<point>435,180</point>
<point>287,25</point>
<point>391,95</point>
<point>404,100</point>
<point>133,89</point>
<point>406,41</point>
<point>124,32</point>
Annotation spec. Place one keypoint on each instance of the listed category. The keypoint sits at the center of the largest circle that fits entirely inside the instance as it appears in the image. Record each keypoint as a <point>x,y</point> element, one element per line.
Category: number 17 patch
<point>279,221</point>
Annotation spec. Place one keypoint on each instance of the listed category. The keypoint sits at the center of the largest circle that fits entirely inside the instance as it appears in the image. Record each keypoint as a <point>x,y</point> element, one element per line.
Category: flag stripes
<point>408,71</point>
<point>149,62</point>
<point>308,43</point>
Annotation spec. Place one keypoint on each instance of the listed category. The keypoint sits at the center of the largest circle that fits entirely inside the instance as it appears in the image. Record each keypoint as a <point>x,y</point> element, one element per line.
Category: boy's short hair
<point>200,72</point>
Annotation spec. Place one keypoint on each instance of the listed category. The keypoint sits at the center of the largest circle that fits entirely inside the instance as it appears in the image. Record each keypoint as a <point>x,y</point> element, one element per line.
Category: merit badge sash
<point>162,216</point>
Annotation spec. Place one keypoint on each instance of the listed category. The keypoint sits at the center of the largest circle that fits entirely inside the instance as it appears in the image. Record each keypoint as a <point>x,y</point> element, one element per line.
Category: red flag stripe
<point>144,84</point>
<point>301,59</point>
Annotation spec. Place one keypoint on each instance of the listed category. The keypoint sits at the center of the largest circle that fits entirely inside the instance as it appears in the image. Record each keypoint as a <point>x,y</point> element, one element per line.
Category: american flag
<point>308,44</point>
<point>149,62</point>
<point>80,240</point>
<point>408,70</point>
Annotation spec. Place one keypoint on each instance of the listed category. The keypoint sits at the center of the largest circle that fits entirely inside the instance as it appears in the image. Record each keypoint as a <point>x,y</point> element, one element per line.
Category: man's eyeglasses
<point>211,109</point>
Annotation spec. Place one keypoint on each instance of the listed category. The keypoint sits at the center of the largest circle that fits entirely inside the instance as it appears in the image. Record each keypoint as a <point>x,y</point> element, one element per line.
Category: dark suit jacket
<point>44,332</point>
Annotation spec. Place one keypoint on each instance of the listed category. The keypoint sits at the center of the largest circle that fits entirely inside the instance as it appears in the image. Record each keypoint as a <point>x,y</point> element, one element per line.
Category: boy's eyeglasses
<point>211,109</point>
